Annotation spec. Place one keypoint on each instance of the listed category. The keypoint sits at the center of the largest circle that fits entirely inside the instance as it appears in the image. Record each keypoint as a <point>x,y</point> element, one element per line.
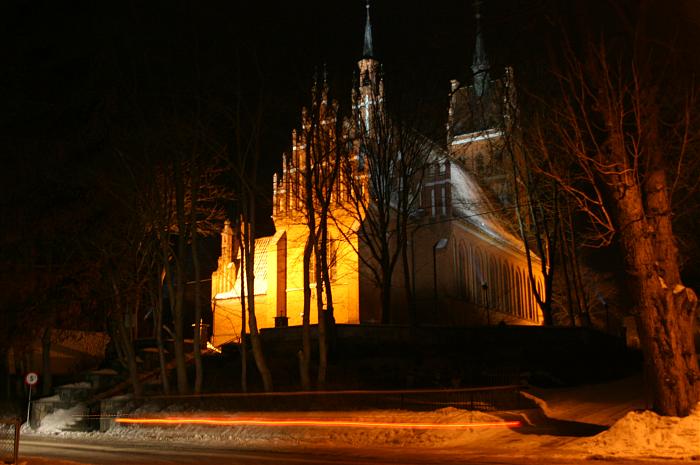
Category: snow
<point>59,420</point>
<point>633,434</point>
<point>80,385</point>
<point>599,404</point>
<point>646,434</point>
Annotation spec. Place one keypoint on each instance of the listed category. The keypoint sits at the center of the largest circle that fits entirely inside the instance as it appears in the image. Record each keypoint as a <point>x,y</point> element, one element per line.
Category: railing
<point>479,398</point>
<point>9,440</point>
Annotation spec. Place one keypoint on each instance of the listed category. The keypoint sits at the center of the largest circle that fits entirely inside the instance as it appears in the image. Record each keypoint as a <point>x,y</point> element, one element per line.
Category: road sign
<point>31,378</point>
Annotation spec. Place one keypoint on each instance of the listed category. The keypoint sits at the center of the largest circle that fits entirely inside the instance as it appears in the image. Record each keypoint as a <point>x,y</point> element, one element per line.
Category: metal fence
<point>481,398</point>
<point>9,440</point>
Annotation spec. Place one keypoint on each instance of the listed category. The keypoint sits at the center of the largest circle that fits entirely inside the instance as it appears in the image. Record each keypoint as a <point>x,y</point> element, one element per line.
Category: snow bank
<point>646,434</point>
<point>61,419</point>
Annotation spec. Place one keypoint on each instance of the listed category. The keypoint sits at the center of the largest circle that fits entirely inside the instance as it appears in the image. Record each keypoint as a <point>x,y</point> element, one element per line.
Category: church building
<point>468,267</point>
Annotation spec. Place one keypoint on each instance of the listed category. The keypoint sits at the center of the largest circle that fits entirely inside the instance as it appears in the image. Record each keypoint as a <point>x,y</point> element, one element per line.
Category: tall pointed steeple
<point>368,50</point>
<point>370,90</point>
<point>480,62</point>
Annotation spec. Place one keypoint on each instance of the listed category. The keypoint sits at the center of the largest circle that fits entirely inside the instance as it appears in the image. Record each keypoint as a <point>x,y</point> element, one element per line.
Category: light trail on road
<point>312,423</point>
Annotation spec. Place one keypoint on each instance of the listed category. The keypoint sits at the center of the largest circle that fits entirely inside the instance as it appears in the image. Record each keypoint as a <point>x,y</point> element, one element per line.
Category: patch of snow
<point>601,404</point>
<point>60,419</point>
<point>80,385</point>
<point>54,398</point>
<point>646,434</point>
<point>541,403</point>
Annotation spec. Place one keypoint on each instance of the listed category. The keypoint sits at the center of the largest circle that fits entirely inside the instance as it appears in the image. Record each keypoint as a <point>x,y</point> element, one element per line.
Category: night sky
<point>79,75</point>
<point>74,68</point>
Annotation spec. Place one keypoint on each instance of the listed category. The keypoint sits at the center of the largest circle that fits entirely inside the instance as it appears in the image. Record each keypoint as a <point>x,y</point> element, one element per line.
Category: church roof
<point>260,286</point>
<point>471,204</point>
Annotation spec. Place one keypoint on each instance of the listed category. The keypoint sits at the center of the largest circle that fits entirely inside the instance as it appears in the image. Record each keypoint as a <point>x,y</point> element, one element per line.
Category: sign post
<point>30,380</point>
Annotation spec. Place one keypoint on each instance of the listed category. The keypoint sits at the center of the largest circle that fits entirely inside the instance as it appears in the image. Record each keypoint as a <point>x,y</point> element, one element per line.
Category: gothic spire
<point>480,62</point>
<point>367,50</point>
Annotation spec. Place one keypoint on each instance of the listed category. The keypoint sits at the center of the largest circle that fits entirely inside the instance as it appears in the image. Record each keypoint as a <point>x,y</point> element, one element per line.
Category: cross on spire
<point>367,50</point>
<point>480,62</point>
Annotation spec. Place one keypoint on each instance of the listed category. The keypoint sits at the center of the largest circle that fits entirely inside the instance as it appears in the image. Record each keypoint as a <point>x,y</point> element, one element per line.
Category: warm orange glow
<point>310,422</point>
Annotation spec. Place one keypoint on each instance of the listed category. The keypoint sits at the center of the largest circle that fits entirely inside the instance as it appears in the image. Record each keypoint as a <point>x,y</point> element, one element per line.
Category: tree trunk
<point>666,307</point>
<point>196,340</point>
<point>386,294</point>
<point>322,348</point>
<point>305,353</point>
<point>326,317</point>
<point>178,316</point>
<point>124,342</point>
<point>46,362</point>
<point>581,300</point>
<point>565,273</point>
<point>159,337</point>
<point>253,324</point>
<point>407,276</point>
<point>244,329</point>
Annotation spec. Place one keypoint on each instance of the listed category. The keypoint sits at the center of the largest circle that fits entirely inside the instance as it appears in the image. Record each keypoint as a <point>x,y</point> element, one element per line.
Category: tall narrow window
<point>443,200</point>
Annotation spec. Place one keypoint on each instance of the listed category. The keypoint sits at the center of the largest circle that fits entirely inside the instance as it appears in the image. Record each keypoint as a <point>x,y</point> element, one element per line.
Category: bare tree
<point>317,167</point>
<point>243,167</point>
<point>383,178</point>
<point>616,142</point>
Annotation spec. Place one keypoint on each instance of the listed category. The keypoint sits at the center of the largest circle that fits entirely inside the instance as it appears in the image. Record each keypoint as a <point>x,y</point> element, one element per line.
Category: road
<point>49,451</point>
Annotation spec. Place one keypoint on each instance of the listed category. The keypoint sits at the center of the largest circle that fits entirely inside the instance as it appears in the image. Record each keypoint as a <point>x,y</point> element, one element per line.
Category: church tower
<point>368,98</point>
<point>478,120</point>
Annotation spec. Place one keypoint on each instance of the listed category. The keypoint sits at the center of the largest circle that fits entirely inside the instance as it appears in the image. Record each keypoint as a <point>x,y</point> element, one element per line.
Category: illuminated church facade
<point>467,266</point>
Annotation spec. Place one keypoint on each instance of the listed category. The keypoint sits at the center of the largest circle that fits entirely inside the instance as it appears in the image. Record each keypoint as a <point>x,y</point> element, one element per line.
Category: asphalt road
<point>117,452</point>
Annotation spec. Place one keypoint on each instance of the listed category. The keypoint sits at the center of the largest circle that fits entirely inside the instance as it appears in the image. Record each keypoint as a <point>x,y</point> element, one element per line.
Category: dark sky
<point>75,73</point>
<point>71,68</point>
<point>72,65</point>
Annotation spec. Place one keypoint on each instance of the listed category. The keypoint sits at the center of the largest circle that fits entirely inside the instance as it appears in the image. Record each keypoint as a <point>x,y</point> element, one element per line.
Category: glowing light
<point>311,422</point>
<point>213,348</point>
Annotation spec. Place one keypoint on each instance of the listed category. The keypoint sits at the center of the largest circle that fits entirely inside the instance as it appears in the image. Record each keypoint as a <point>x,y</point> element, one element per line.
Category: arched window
<point>461,271</point>
<point>493,282</point>
<point>474,275</point>
<point>540,286</point>
<point>513,290</point>
<point>501,286</point>
<point>482,277</point>
<point>530,299</point>
<point>519,294</point>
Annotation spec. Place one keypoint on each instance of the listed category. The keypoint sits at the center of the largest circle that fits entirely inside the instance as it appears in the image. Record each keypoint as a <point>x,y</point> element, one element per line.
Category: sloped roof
<point>471,204</point>
<point>260,268</point>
